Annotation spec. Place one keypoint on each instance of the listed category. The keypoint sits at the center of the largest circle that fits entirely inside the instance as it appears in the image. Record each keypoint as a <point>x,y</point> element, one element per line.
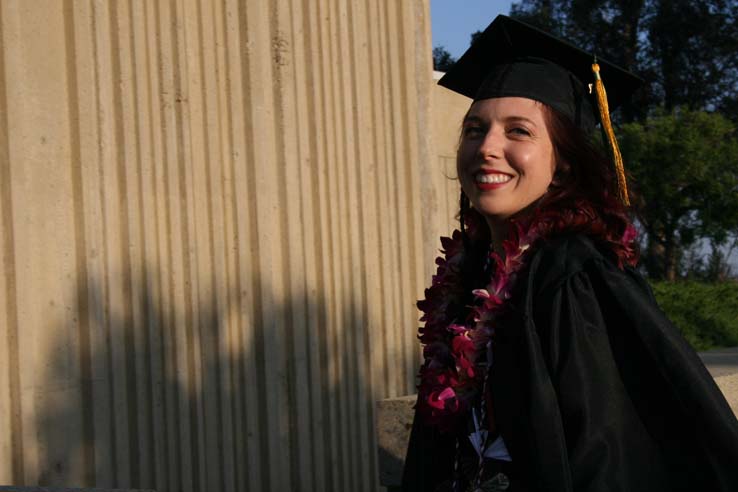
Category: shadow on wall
<point>205,396</point>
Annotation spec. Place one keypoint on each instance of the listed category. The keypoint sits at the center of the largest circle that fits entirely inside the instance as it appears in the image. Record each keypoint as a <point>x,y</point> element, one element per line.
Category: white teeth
<point>492,178</point>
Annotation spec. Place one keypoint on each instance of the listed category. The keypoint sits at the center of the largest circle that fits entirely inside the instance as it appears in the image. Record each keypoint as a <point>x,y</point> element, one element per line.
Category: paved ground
<point>723,365</point>
<point>721,362</point>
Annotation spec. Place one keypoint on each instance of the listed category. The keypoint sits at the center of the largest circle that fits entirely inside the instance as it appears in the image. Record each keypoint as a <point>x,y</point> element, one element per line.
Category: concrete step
<point>13,488</point>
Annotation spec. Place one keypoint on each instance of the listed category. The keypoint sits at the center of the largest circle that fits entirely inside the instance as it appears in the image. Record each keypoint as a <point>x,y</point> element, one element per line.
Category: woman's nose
<point>491,145</point>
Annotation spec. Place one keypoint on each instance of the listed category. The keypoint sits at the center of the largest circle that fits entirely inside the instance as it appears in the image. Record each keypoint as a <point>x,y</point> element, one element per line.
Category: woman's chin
<point>495,212</point>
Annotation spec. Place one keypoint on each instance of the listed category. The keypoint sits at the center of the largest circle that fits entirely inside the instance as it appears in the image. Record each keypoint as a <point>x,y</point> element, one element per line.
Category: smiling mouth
<point>492,178</point>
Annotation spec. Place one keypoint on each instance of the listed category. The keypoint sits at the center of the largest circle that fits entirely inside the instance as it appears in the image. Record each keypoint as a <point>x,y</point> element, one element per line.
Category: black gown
<point>594,389</point>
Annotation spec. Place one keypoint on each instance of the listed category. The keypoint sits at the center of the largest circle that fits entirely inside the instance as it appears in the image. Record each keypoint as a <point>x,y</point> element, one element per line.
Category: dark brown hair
<point>583,172</point>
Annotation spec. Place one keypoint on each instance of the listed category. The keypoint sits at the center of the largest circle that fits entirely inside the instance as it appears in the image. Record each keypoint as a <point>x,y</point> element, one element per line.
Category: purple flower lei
<point>453,371</point>
<point>452,374</point>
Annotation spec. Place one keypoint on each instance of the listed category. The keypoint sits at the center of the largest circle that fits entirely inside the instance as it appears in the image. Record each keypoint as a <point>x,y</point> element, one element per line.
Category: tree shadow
<point>220,393</point>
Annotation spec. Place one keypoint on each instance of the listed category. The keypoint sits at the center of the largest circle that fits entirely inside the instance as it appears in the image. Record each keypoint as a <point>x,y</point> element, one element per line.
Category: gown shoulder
<point>628,400</point>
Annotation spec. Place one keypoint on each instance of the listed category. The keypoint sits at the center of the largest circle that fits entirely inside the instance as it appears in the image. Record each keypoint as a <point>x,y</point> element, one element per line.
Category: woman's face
<point>505,159</point>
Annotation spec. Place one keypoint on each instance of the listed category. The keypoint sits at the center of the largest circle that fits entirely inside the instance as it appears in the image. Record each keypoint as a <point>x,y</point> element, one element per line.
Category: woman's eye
<point>471,131</point>
<point>519,131</point>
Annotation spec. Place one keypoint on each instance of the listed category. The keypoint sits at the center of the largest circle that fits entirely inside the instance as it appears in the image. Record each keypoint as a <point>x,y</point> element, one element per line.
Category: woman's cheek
<point>520,160</point>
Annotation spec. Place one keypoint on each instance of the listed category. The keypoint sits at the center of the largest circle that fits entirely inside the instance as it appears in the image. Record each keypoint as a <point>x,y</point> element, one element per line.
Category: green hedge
<point>706,314</point>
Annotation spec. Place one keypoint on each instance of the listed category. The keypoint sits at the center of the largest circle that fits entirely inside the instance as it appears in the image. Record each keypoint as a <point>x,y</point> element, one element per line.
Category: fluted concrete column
<point>213,228</point>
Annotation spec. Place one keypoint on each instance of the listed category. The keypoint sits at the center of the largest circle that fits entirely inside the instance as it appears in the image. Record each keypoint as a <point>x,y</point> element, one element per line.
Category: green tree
<point>692,50</point>
<point>545,14</point>
<point>474,36</point>
<point>685,165</point>
<point>717,268</point>
<point>684,50</point>
<point>442,59</point>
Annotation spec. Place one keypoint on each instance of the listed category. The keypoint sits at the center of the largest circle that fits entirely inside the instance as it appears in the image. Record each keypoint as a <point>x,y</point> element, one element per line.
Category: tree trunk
<point>632,12</point>
<point>670,259</point>
<point>655,253</point>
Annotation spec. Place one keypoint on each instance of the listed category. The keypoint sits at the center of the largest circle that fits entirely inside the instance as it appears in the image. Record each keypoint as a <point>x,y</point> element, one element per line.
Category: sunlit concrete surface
<point>212,236</point>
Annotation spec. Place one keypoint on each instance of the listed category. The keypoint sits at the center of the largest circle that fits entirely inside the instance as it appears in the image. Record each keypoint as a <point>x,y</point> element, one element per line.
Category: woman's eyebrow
<point>520,118</point>
<point>472,119</point>
<point>507,119</point>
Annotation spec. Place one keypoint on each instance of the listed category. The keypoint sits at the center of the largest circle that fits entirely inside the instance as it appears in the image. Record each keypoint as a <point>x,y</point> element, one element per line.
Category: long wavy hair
<point>582,198</point>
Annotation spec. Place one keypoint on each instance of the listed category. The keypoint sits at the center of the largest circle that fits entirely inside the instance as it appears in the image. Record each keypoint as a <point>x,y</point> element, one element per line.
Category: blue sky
<point>453,21</point>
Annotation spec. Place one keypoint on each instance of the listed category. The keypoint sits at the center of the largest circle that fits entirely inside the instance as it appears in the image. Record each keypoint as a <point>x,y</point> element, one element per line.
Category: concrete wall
<point>215,217</point>
<point>448,110</point>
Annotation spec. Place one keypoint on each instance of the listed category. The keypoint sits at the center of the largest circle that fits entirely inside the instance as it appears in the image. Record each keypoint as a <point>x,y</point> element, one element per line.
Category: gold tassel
<point>607,126</point>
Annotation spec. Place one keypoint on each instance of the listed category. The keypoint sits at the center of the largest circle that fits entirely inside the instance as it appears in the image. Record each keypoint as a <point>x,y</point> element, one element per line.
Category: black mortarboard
<point>512,58</point>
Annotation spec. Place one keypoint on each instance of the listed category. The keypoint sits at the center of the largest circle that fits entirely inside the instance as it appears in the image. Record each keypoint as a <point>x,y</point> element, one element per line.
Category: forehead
<point>507,107</point>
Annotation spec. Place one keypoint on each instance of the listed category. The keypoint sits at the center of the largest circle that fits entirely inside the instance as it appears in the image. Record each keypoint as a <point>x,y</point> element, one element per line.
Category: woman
<point>548,365</point>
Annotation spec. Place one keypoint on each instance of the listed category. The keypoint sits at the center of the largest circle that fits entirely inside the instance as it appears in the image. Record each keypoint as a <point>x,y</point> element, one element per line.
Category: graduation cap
<point>512,58</point>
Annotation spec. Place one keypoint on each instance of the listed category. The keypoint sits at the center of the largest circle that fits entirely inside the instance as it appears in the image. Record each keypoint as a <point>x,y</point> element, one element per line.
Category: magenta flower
<point>440,400</point>
<point>629,234</point>
<point>449,378</point>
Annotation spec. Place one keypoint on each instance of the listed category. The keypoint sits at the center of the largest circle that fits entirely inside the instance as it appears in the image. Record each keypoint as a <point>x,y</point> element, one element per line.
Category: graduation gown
<point>594,389</point>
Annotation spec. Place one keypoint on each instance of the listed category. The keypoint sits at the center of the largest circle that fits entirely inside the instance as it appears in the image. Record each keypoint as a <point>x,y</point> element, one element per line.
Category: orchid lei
<point>452,375</point>
<point>455,352</point>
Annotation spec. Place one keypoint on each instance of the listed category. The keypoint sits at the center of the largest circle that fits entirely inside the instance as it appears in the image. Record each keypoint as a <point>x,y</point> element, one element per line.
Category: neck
<point>498,229</point>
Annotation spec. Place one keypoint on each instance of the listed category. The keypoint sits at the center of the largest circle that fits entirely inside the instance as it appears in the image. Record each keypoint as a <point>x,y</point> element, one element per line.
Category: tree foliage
<point>706,314</point>
<point>442,59</point>
<point>685,166</point>
<point>684,50</point>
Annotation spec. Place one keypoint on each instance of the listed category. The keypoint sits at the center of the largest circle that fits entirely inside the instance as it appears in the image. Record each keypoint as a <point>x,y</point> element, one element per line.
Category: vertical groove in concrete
<point>331,240</point>
<point>118,259</point>
<point>145,367</point>
<point>204,125</point>
<point>243,187</point>
<point>311,400</point>
<point>361,162</point>
<point>156,224</point>
<point>239,198</point>
<point>141,278</point>
<point>426,170</point>
<point>13,436</point>
<point>302,265</point>
<point>316,238</point>
<point>80,240</point>
<point>372,245</point>
<point>272,212</point>
<point>162,97</point>
<point>409,96</point>
<point>343,224</point>
<point>129,173</point>
<point>284,48</point>
<point>375,291</point>
<point>389,228</point>
<point>250,285</point>
<point>223,248</point>
<point>400,249</point>
<point>345,169</point>
<point>232,150</point>
<point>97,168</point>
